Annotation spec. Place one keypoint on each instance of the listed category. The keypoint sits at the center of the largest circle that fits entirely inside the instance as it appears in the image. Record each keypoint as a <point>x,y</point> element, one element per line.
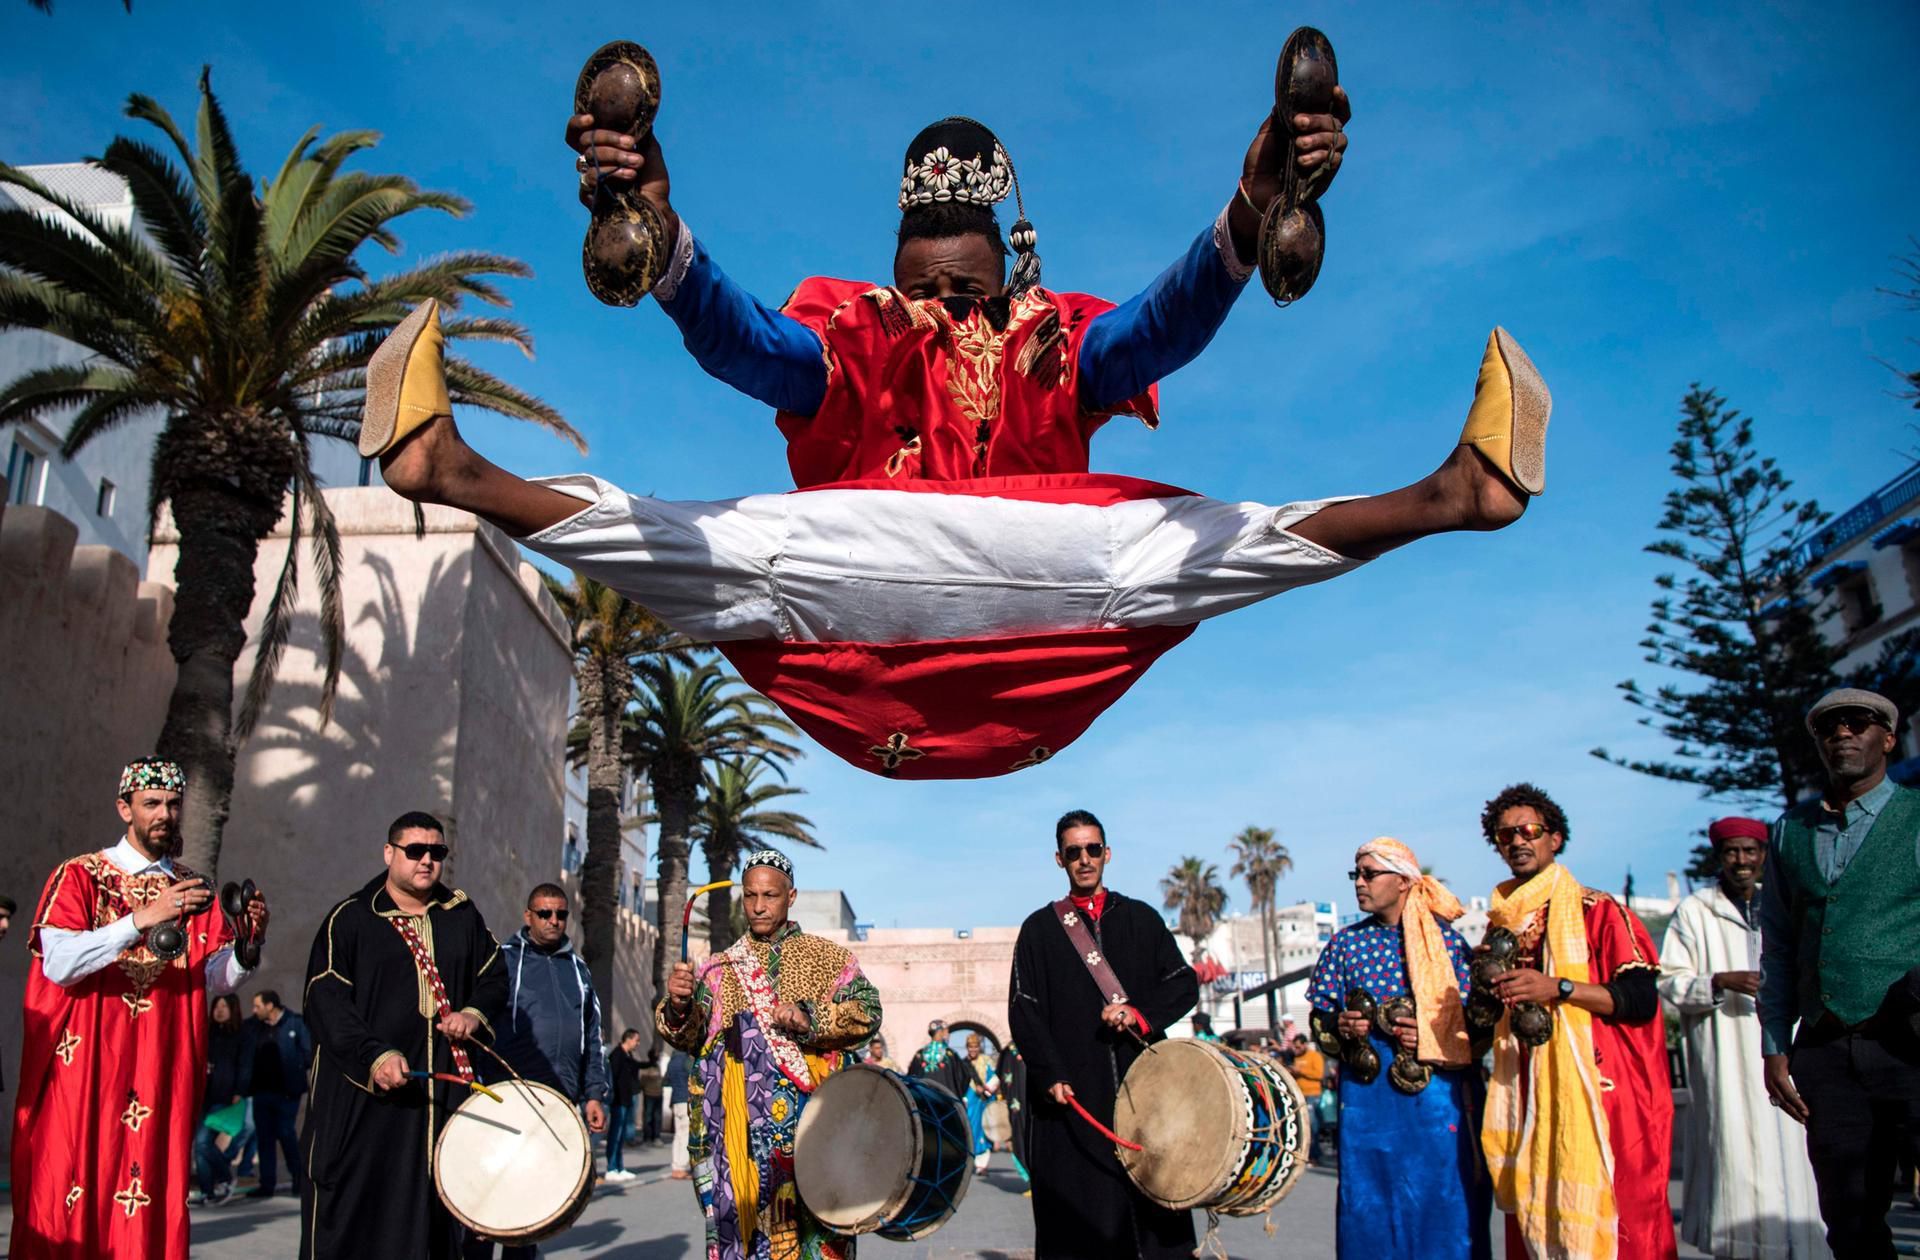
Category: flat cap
<point>1854,698</point>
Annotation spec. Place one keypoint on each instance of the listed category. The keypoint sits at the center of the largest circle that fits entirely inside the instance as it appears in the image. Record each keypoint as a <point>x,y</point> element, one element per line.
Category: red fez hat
<point>1727,828</point>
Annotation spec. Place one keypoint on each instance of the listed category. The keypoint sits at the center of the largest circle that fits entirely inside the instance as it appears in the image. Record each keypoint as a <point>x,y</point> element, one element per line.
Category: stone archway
<point>960,1026</point>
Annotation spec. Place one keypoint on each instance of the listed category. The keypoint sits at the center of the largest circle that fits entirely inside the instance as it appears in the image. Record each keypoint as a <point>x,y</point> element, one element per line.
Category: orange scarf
<point>1430,974</point>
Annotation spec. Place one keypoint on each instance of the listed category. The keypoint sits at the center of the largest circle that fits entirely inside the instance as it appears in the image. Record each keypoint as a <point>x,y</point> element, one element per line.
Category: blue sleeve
<point>1779,946</point>
<point>735,337</point>
<point>594,1085</point>
<point>1159,330</point>
<point>1325,991</point>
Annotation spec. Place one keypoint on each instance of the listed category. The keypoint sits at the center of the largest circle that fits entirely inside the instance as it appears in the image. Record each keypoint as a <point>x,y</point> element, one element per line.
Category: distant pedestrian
<point>1840,934</point>
<point>1203,1027</point>
<point>1309,1068</point>
<point>982,1085</point>
<point>652,1085</point>
<point>877,1056</point>
<point>229,1076</point>
<point>678,1077</point>
<point>937,1062</point>
<point>279,1048</point>
<point>1748,1186</point>
<point>624,1070</point>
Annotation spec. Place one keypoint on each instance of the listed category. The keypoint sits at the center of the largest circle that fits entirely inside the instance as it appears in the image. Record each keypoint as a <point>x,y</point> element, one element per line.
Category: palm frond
<point>32,395</point>
<point>166,204</point>
<point>468,386</point>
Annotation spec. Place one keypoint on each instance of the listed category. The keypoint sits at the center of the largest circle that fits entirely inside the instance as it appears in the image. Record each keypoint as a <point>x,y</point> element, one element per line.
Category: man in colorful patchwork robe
<point>766,1021</point>
<point>1578,1131</point>
<point>114,1056</point>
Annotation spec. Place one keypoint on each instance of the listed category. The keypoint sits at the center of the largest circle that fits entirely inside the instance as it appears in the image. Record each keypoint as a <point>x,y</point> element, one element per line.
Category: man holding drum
<point>765,1021</point>
<point>403,975</point>
<point>1393,1121</point>
<point>1079,1040</point>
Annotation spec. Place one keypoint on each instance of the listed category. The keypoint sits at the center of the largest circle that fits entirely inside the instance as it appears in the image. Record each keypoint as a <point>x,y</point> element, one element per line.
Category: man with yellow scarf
<point>1578,1130</point>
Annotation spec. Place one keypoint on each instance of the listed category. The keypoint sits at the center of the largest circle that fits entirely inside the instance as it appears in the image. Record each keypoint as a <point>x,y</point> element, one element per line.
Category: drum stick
<point>533,1099</point>
<point>1104,1131</point>
<point>451,1079</point>
<point>686,913</point>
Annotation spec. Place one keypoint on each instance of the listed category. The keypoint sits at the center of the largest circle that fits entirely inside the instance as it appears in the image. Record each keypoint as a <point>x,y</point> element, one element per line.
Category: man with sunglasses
<point>1096,976</point>
<point>403,977</point>
<point>1586,1116</point>
<point>552,1029</point>
<point>1840,937</point>
<point>1405,947</point>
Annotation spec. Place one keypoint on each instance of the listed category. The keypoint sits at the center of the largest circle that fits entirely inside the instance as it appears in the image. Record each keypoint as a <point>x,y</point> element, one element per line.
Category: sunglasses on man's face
<point>420,852</point>
<point>1523,831</point>
<point>1854,721</point>
<point>549,914</point>
<point>1073,851</point>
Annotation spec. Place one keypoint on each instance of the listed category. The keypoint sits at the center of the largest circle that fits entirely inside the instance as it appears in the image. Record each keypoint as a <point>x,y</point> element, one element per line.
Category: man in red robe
<point>115,1049</point>
<point>1578,1129</point>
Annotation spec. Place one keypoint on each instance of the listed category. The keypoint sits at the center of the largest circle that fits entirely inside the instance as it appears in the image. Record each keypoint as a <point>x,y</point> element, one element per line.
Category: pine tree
<point>1741,622</point>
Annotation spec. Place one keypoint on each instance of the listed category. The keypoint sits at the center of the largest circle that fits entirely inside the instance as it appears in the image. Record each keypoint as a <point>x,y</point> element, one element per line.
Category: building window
<point>1858,608</point>
<point>570,856</point>
<point>26,474</point>
<point>103,506</point>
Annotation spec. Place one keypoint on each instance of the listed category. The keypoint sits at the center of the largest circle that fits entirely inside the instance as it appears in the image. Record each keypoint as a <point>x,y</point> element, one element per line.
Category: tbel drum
<point>881,1153</point>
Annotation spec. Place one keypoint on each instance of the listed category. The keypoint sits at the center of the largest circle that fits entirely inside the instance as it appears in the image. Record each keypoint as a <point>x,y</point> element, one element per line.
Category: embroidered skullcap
<point>958,161</point>
<point>1728,828</point>
<point>1430,973</point>
<point>769,857</point>
<point>937,1027</point>
<point>145,774</point>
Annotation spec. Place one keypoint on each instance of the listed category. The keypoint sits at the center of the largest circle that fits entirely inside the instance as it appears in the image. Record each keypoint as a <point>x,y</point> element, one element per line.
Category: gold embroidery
<point>141,967</point>
<point>69,1042</point>
<point>1039,754</point>
<point>73,1195</point>
<point>136,1113</point>
<point>973,367</point>
<point>895,751</point>
<point>135,1196</point>
<point>137,1004</point>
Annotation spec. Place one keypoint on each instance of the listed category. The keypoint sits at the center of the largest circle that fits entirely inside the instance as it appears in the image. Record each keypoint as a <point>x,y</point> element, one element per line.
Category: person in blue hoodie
<point>552,1029</point>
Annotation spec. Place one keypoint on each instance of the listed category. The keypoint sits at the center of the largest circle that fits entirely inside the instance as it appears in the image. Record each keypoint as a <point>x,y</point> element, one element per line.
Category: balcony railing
<point>1860,518</point>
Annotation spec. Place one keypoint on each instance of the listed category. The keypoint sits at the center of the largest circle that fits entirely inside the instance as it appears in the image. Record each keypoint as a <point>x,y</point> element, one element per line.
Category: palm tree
<point>1192,887</point>
<point>1261,862</point>
<point>242,313</point>
<point>609,633</point>
<point>684,720</point>
<point>732,820</point>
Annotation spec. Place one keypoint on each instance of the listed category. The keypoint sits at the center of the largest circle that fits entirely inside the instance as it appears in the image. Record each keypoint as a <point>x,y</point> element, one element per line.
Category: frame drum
<point>517,1170</point>
<point>1220,1129</point>
<point>877,1152</point>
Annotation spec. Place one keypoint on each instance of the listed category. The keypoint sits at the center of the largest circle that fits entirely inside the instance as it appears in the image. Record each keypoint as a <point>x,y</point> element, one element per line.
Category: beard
<point>158,841</point>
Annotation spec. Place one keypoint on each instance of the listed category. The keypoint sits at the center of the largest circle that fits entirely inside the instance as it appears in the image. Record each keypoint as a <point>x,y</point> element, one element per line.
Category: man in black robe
<point>1076,1046</point>
<point>376,1016</point>
<point>937,1062</point>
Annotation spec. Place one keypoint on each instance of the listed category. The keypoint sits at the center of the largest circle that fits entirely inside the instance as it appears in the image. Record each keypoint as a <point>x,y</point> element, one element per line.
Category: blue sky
<point>1646,197</point>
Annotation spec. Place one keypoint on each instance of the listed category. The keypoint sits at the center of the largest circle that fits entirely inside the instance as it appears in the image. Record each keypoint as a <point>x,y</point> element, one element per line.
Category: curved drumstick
<point>1103,1130</point>
<point>533,1100</point>
<point>686,913</point>
<point>451,1079</point>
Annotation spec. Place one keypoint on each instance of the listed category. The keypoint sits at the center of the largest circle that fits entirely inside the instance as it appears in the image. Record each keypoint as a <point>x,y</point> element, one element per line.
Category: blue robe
<point>1397,1150</point>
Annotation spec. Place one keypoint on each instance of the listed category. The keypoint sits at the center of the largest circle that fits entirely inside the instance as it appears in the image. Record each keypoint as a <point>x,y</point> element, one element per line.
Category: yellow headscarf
<point>1553,1168</point>
<point>1436,987</point>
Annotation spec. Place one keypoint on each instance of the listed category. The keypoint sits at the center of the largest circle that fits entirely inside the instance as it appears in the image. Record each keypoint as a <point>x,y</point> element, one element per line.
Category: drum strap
<point>424,961</point>
<point>1075,925</point>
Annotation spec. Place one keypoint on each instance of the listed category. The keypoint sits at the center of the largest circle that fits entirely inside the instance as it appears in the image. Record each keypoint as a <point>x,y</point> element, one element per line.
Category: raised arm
<point>732,335</point>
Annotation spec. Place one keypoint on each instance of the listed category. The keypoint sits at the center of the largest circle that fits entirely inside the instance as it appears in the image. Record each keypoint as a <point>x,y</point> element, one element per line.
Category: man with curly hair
<point>1578,1127</point>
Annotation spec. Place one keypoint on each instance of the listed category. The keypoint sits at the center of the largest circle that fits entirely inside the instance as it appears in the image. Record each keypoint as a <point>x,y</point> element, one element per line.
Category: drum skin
<point>866,1142</point>
<point>505,1174</point>
<point>1191,1107</point>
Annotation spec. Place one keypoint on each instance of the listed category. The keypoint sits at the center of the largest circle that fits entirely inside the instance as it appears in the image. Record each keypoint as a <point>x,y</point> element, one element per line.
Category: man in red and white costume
<point>115,1050</point>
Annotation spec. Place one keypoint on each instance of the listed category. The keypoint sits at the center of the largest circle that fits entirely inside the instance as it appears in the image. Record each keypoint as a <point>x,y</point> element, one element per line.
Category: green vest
<point>1860,933</point>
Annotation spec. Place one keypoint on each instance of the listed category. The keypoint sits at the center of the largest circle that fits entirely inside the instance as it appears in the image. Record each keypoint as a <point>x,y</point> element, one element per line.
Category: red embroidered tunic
<point>913,392</point>
<point>111,1072</point>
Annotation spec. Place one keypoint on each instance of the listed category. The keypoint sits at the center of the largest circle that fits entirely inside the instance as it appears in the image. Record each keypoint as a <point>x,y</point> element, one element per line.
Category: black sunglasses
<point>415,852</point>
<point>1359,873</point>
<point>1854,721</point>
<point>1073,851</point>
<point>549,914</point>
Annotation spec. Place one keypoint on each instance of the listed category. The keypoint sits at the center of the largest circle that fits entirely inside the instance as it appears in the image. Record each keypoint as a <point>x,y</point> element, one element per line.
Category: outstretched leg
<point>1485,482</point>
<point>408,423</point>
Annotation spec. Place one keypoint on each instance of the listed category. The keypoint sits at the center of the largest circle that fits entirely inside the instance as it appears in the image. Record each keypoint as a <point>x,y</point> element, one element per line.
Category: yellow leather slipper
<point>1508,420</point>
<point>406,381</point>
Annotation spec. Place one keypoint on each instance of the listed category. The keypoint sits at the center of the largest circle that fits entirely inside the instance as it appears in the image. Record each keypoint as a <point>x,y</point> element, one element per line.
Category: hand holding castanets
<point>181,900</point>
<point>1310,141</point>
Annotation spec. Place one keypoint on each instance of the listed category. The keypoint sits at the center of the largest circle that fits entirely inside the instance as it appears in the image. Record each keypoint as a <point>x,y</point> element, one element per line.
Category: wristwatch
<point>1566,990</point>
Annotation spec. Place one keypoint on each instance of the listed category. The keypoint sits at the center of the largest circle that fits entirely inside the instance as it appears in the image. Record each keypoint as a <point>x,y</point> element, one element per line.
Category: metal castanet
<point>625,251</point>
<point>1532,1021</point>
<point>1407,1074</point>
<point>1362,1060</point>
<point>1293,231</point>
